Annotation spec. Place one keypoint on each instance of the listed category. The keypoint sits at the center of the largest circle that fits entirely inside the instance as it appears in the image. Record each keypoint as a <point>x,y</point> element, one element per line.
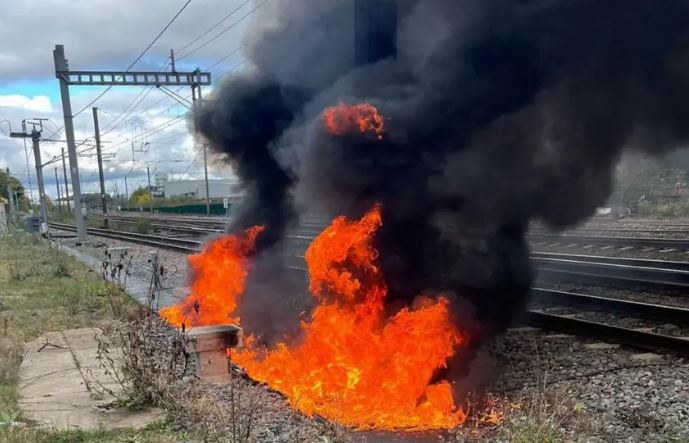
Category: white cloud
<point>40,103</point>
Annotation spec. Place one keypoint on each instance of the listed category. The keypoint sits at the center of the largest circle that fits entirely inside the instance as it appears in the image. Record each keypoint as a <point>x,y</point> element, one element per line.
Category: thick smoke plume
<point>497,113</point>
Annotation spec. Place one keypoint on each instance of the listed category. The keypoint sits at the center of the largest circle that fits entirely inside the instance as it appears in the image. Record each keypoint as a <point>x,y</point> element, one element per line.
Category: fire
<point>354,364</point>
<point>220,272</point>
<point>363,117</point>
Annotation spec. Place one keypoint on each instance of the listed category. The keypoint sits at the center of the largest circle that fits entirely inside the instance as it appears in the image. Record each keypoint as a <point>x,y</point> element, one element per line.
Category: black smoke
<point>497,112</point>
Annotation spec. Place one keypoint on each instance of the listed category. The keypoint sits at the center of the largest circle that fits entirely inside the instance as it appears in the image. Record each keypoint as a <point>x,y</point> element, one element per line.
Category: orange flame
<point>363,117</point>
<point>355,365</point>
<point>220,272</point>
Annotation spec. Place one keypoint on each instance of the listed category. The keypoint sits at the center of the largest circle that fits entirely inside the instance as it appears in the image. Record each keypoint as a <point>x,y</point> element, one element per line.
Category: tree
<point>94,200</point>
<point>141,197</point>
<point>16,185</point>
<point>639,177</point>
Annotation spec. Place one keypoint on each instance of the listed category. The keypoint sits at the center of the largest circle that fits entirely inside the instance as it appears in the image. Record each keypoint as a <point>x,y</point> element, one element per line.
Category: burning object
<point>219,276</point>
<point>357,364</point>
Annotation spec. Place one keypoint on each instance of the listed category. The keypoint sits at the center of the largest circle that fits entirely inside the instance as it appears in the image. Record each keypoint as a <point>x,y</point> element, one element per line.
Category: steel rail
<point>643,242</point>
<point>636,262</point>
<point>557,298</point>
<point>630,337</point>
<point>612,275</point>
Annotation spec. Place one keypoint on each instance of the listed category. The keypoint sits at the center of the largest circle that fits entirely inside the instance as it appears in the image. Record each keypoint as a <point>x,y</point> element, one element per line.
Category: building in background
<point>217,189</point>
<point>158,190</point>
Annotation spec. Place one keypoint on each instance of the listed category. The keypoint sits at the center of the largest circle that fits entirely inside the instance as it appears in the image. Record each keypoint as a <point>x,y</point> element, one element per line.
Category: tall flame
<point>354,365</point>
<point>219,272</point>
<point>363,117</point>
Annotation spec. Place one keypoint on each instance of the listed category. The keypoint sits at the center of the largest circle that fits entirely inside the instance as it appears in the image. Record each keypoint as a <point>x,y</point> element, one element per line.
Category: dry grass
<point>157,433</point>
<point>147,359</point>
<point>545,412</point>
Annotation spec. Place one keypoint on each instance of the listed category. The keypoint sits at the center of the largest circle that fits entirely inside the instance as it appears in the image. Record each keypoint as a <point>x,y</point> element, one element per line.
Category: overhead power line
<point>136,60</point>
<point>207,31</point>
<point>114,123</point>
<point>221,33</point>
<point>128,109</point>
<point>224,58</point>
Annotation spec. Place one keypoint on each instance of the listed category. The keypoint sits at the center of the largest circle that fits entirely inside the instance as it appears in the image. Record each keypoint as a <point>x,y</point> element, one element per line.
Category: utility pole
<point>35,137</point>
<point>196,98</point>
<point>150,192</point>
<point>64,171</point>
<point>10,194</point>
<point>61,66</point>
<point>205,175</point>
<point>126,193</point>
<point>104,200</point>
<point>57,185</point>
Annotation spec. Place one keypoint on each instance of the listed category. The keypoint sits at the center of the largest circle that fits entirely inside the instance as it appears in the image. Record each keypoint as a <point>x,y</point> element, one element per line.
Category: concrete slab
<point>57,377</point>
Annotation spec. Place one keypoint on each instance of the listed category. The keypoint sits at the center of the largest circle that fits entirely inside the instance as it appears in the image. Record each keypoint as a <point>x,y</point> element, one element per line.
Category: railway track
<point>175,244</point>
<point>635,338</point>
<point>596,240</point>
<point>200,226</point>
<point>611,271</point>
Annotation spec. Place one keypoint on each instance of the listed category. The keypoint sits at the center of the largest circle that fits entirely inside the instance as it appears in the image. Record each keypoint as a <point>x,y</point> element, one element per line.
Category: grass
<point>41,290</point>
<point>156,433</point>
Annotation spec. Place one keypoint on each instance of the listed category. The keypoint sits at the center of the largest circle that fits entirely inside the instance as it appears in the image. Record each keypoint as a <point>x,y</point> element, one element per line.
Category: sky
<point>140,126</point>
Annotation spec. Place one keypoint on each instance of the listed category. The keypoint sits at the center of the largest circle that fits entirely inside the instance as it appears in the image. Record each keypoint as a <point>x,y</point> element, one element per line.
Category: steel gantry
<point>194,79</point>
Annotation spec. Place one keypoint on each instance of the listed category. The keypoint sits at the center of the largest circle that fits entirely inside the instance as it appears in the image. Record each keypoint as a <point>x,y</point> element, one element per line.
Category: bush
<point>664,210</point>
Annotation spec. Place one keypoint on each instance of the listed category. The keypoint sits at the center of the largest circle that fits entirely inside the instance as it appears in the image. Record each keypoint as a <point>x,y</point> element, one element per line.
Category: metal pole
<point>196,98</point>
<point>10,194</point>
<point>35,137</point>
<point>126,192</point>
<point>64,171</point>
<point>150,193</point>
<point>57,186</point>
<point>61,65</point>
<point>205,171</point>
<point>100,168</point>
<point>172,60</point>
<point>28,170</point>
